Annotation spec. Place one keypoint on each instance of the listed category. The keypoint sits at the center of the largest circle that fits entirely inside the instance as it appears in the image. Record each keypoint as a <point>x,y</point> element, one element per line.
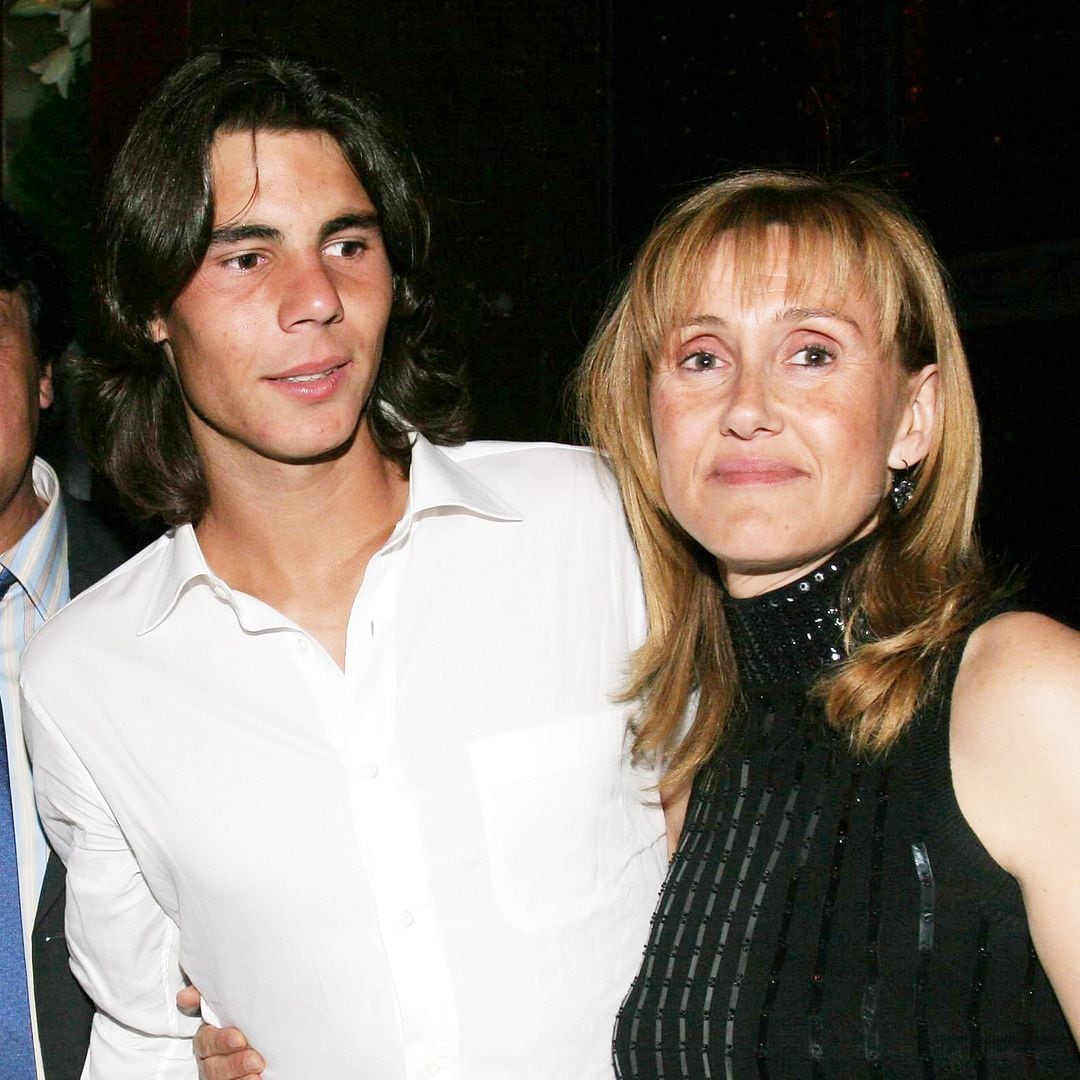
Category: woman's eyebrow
<point>789,314</point>
<point>793,314</point>
<point>709,322</point>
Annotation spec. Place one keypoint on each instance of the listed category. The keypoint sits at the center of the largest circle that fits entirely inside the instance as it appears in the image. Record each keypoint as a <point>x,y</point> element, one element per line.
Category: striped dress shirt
<point>41,587</point>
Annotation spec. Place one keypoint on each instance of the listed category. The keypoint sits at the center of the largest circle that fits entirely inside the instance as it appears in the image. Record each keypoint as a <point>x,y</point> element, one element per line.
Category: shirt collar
<point>436,481</point>
<point>182,567</point>
<point>38,559</point>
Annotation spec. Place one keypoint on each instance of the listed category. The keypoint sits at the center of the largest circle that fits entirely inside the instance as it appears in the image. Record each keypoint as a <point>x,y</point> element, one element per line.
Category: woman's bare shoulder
<point>1019,664</point>
<point>1015,731</point>
<point>1015,751</point>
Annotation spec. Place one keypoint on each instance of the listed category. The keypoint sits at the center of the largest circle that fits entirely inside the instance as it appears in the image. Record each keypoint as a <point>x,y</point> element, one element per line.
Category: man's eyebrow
<point>343,222</point>
<point>239,234</point>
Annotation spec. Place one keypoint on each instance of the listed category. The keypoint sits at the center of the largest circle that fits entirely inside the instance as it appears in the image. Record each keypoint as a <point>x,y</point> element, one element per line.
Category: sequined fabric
<point>828,917</point>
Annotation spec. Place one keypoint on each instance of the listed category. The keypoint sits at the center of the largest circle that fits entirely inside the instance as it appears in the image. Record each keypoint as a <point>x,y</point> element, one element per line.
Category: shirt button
<point>371,770</point>
<point>407,920</point>
<point>431,1068</point>
<point>303,646</point>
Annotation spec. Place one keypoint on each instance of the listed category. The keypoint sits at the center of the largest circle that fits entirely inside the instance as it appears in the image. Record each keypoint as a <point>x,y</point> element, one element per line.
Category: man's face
<point>277,338</point>
<point>24,391</point>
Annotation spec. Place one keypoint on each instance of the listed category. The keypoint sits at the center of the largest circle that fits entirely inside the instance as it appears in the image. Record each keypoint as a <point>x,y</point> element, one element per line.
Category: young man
<point>342,747</point>
<point>51,547</point>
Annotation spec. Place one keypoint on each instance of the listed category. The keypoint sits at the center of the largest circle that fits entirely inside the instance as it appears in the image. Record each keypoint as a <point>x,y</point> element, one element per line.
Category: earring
<point>903,487</point>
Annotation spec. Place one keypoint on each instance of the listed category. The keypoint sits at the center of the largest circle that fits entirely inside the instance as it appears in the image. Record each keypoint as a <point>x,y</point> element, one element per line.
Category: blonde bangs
<point>838,242</point>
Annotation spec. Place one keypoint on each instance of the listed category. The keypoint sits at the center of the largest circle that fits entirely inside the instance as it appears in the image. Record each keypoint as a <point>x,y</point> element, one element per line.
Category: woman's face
<point>776,420</point>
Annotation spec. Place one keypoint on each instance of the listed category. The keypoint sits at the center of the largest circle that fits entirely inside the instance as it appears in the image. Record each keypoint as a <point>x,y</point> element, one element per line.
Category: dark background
<point>553,134</point>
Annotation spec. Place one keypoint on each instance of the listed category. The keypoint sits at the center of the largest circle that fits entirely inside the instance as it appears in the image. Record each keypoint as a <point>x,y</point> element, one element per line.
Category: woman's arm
<point>674,803</point>
<point>1015,749</point>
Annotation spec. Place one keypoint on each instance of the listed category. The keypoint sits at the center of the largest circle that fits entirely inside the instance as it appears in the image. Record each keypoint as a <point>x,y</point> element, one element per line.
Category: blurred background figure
<point>51,546</point>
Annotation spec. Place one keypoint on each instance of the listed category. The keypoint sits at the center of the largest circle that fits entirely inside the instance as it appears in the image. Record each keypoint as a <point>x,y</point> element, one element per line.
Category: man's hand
<point>223,1053</point>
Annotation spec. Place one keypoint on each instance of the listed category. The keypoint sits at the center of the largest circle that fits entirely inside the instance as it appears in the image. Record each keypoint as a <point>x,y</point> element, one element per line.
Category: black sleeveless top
<point>830,917</point>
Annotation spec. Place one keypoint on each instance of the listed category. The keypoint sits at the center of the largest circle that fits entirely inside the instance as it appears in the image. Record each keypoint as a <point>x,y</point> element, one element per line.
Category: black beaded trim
<point>978,981</point>
<point>788,635</point>
<point>780,955</point>
<point>815,1022</point>
<point>927,905</point>
<point>872,991</point>
<point>1027,1010</point>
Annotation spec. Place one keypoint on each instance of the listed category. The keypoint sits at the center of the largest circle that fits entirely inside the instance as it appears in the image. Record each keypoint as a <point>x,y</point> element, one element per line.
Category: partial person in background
<point>51,547</point>
<point>880,863</point>
<point>340,747</point>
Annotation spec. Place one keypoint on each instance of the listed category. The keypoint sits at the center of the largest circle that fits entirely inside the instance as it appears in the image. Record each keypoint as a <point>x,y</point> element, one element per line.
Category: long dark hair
<point>156,223</point>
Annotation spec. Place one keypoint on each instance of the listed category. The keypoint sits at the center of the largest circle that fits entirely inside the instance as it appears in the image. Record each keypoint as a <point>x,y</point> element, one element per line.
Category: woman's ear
<point>919,421</point>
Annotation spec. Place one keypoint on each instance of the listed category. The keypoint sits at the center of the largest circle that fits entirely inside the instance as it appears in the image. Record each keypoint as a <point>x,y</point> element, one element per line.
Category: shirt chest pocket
<point>558,837</point>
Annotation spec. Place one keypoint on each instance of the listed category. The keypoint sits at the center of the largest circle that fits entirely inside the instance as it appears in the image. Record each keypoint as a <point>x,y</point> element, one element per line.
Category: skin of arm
<point>1015,753</point>
<point>674,803</point>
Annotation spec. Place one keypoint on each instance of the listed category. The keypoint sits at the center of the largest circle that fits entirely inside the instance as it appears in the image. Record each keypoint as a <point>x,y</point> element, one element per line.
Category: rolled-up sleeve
<point>124,947</point>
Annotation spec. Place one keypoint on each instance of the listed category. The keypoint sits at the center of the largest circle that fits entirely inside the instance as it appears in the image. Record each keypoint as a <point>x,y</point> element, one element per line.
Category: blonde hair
<point>920,582</point>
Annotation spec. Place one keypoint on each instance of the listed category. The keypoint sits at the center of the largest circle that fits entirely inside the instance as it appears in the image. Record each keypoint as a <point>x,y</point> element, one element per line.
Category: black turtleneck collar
<point>785,637</point>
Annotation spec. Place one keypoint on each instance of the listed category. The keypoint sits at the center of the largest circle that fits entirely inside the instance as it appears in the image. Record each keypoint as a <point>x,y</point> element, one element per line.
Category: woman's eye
<point>700,360</point>
<point>813,356</point>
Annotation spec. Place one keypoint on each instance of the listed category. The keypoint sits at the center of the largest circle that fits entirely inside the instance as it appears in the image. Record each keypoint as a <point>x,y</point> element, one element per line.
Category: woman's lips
<point>750,471</point>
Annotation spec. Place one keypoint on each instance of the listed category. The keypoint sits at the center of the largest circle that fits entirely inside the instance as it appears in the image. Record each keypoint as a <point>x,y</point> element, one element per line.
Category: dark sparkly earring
<point>903,486</point>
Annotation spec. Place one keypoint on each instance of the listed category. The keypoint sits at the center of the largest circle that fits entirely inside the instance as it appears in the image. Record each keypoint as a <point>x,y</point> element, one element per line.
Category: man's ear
<point>45,387</point>
<point>919,421</point>
<point>159,332</point>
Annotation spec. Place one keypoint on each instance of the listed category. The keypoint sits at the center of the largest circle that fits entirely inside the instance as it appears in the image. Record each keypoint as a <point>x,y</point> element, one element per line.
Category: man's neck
<point>18,515</point>
<point>299,537</point>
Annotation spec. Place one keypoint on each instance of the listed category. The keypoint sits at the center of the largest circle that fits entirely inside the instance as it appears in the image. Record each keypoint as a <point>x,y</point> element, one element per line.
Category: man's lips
<point>747,471</point>
<point>302,373</point>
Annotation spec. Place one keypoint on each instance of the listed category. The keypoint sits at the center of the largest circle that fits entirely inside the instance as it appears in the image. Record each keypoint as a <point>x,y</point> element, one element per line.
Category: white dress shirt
<point>437,862</point>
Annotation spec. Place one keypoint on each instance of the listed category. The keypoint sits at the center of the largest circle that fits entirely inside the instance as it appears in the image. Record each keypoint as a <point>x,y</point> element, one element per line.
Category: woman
<point>885,812</point>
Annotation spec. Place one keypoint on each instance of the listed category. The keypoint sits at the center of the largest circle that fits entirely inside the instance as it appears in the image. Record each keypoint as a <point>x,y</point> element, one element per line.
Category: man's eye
<point>700,360</point>
<point>346,249</point>
<point>246,260</point>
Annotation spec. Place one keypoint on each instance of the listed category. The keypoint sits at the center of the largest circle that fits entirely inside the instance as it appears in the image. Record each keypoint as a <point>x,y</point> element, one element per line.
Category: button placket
<point>386,826</point>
